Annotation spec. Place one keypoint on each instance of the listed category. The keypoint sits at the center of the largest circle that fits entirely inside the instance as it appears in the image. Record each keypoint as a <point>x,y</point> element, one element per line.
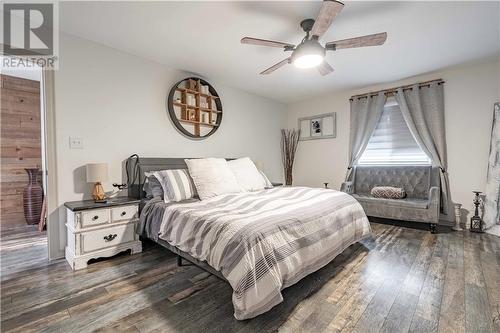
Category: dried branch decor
<point>289,143</point>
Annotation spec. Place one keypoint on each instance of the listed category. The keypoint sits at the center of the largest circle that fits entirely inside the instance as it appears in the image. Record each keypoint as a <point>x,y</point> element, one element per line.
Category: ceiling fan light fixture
<point>308,54</point>
<point>308,61</point>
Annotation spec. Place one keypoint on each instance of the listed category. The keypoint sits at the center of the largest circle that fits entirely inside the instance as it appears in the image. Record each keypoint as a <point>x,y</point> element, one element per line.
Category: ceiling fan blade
<point>264,42</point>
<point>329,10</point>
<point>369,40</point>
<point>276,66</point>
<point>324,68</point>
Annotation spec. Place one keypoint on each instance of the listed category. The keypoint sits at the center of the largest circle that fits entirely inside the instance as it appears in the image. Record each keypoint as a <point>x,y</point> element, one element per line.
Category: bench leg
<point>433,227</point>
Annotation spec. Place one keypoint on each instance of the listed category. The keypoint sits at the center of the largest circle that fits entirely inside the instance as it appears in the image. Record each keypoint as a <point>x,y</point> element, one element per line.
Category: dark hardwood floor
<point>403,280</point>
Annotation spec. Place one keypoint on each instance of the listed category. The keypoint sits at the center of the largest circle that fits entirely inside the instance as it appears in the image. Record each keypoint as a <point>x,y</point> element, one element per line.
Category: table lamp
<point>97,173</point>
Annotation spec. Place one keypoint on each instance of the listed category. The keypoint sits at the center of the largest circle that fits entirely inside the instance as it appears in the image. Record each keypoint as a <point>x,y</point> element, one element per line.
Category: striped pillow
<point>388,192</point>
<point>177,184</point>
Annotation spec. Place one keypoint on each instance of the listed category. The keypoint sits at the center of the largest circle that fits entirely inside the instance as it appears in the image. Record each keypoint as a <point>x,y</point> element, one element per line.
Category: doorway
<point>22,180</point>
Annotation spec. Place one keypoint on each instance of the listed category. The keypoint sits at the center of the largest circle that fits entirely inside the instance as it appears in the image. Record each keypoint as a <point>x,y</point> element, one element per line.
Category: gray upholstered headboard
<point>137,166</point>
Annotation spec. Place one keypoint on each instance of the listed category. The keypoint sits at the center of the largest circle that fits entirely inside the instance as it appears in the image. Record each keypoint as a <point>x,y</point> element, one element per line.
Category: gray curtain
<point>492,200</point>
<point>423,110</point>
<point>365,114</point>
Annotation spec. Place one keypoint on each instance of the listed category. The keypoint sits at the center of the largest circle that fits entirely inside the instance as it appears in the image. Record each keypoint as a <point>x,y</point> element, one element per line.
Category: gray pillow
<point>152,187</point>
<point>155,187</point>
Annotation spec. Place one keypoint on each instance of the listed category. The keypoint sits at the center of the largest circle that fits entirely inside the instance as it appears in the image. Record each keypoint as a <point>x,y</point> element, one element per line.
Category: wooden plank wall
<point>20,140</point>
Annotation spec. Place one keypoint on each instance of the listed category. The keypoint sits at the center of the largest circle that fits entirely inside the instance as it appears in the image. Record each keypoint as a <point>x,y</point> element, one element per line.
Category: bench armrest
<point>434,195</point>
<point>435,201</point>
<point>347,187</point>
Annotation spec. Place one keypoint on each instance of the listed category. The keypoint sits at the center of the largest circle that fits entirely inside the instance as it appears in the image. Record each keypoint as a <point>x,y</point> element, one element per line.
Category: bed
<point>259,242</point>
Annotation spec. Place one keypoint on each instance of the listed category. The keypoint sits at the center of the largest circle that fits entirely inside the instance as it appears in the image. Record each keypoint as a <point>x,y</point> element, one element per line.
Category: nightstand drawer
<point>123,213</point>
<point>95,217</point>
<point>99,239</point>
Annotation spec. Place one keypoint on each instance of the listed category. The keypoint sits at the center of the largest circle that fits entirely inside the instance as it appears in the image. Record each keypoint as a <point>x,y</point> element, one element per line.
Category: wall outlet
<point>75,143</point>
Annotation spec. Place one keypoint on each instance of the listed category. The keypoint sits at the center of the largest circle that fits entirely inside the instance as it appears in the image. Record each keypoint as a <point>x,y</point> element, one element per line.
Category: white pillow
<point>247,175</point>
<point>212,177</point>
<point>267,182</point>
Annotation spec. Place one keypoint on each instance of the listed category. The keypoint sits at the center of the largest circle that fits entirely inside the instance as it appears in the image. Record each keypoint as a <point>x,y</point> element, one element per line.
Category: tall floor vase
<point>33,197</point>
<point>289,142</point>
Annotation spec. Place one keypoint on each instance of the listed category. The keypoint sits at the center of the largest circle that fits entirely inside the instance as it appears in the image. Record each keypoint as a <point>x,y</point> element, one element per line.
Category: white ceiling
<point>204,38</point>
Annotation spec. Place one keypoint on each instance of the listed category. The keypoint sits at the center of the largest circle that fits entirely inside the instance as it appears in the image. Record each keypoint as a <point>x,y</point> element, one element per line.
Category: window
<point>392,142</point>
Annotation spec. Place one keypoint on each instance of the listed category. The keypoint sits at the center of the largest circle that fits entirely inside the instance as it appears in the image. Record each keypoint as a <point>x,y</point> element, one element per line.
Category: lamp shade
<point>97,172</point>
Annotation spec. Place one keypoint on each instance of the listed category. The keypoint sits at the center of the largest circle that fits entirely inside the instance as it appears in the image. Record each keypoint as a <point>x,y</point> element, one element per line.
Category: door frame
<point>54,229</point>
<point>56,240</point>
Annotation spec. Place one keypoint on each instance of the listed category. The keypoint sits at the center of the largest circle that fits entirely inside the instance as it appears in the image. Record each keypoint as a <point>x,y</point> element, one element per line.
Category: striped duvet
<point>265,241</point>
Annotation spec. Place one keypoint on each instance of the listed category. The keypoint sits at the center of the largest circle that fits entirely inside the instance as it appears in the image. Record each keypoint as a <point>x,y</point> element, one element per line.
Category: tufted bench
<point>421,184</point>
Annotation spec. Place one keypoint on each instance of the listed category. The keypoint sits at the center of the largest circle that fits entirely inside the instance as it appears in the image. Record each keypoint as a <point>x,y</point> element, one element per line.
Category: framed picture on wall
<point>316,127</point>
<point>323,126</point>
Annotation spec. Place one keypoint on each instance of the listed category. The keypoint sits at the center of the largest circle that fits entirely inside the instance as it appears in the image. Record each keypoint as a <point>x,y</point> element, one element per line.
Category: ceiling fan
<point>309,52</point>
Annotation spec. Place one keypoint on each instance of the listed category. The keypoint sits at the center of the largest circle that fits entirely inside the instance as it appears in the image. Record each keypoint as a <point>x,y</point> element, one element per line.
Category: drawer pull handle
<point>123,213</point>
<point>95,218</point>
<point>109,238</point>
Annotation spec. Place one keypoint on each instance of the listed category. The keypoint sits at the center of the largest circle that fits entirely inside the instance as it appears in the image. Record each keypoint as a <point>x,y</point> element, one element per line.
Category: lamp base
<point>101,201</point>
<point>98,193</point>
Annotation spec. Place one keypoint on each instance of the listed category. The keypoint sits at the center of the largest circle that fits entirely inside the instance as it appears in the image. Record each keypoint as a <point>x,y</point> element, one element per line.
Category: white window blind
<point>392,142</point>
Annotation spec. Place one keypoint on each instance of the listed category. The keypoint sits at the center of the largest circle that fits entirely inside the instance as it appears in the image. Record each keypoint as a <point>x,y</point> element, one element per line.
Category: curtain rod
<point>391,91</point>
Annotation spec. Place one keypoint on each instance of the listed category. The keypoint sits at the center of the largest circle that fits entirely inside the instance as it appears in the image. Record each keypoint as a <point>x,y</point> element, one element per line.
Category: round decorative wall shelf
<point>195,108</point>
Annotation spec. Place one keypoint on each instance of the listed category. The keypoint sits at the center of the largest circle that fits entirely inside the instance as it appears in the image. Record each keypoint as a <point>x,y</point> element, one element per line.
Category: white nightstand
<point>98,230</point>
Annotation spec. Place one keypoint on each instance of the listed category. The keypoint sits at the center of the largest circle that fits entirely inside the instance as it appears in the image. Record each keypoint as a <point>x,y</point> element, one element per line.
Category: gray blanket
<point>262,241</point>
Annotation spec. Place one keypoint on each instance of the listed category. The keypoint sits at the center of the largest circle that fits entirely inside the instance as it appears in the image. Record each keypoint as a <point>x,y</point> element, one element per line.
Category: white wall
<point>470,92</point>
<point>116,103</point>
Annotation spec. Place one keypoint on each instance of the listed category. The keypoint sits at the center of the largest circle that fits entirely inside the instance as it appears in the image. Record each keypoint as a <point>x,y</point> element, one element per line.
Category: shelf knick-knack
<point>192,115</point>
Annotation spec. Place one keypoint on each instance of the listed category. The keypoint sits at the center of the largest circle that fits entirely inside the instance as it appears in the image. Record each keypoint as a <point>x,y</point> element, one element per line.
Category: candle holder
<point>458,216</point>
<point>476,222</point>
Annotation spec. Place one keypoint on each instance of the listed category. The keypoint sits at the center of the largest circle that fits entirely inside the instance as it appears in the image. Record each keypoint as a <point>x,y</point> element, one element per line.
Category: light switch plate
<point>75,143</point>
